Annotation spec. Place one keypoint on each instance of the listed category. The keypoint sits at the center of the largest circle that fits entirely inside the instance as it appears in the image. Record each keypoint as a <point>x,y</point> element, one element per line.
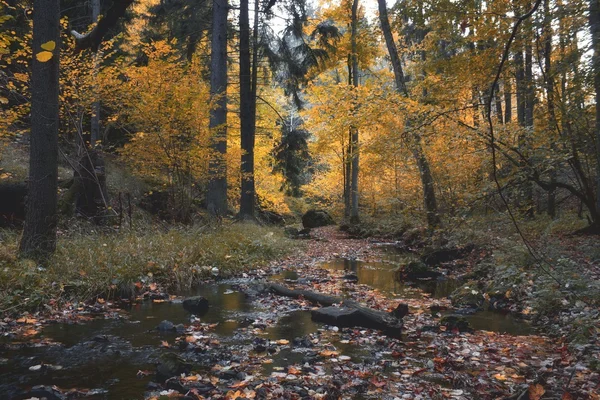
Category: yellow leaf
<point>500,377</point>
<point>51,45</point>
<point>44,56</point>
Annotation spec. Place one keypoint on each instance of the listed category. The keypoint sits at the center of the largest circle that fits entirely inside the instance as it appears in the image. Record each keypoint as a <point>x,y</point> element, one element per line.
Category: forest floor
<point>431,360</point>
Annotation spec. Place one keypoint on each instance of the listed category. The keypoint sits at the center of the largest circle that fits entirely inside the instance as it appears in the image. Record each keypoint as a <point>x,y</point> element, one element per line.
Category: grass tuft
<point>108,265</point>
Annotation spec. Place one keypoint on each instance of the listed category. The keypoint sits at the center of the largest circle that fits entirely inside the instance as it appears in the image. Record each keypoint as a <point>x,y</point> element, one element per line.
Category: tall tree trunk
<point>529,99</point>
<point>246,116</point>
<point>498,101</point>
<point>39,234</point>
<point>216,196</point>
<point>95,123</point>
<point>429,198</point>
<point>595,30</point>
<point>354,215</point>
<point>507,99</point>
<point>520,85</point>
<point>552,122</point>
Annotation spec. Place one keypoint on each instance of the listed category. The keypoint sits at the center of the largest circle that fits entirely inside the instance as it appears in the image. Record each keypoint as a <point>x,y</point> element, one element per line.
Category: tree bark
<point>39,234</point>
<point>93,39</point>
<point>507,100</point>
<point>246,116</point>
<point>549,81</point>
<point>95,119</point>
<point>429,198</point>
<point>216,196</point>
<point>595,30</point>
<point>354,214</point>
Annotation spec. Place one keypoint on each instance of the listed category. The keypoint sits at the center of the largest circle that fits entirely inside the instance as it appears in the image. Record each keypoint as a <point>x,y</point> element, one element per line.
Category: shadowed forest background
<point>154,145</point>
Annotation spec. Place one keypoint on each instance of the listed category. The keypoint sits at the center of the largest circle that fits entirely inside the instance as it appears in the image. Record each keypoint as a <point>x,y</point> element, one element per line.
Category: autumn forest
<point>300,199</point>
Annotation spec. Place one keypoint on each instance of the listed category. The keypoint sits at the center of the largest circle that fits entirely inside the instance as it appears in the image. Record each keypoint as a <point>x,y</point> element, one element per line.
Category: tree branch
<point>93,39</point>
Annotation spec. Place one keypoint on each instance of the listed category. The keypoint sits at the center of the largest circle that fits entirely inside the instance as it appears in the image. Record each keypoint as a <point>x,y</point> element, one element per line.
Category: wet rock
<point>302,342</point>
<point>232,374</point>
<point>101,339</point>
<point>158,296</point>
<point>455,322</point>
<point>442,255</point>
<point>260,345</point>
<point>165,326</point>
<point>400,311</point>
<point>316,218</point>
<point>498,301</point>
<point>416,270</point>
<point>466,311</point>
<point>47,392</point>
<point>197,305</point>
<point>170,365</point>
<point>358,316</point>
<point>253,290</point>
<point>437,308</point>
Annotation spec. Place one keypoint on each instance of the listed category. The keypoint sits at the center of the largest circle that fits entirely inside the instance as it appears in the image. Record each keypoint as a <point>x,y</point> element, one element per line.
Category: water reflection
<point>381,276</point>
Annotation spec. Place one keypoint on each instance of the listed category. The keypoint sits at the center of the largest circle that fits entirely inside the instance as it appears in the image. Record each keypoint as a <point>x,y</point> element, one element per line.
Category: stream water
<point>106,354</point>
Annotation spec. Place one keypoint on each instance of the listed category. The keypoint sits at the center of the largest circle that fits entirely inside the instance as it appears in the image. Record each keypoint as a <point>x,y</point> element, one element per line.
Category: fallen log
<point>349,313</point>
<point>313,297</point>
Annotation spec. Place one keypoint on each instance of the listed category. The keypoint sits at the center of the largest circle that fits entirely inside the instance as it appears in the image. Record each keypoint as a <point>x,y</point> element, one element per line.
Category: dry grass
<point>89,265</point>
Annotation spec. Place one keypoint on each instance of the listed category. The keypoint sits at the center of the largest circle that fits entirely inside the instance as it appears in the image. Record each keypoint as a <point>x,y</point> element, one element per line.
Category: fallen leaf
<point>536,391</point>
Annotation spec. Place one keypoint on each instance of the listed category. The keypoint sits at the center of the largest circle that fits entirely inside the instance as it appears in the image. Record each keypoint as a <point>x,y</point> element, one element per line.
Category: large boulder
<point>197,305</point>
<point>316,218</point>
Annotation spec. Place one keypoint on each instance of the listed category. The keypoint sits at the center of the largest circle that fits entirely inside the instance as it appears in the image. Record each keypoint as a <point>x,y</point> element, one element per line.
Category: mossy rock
<point>455,322</point>
<point>317,218</point>
<point>468,296</point>
<point>172,364</point>
<point>415,237</point>
<point>414,271</point>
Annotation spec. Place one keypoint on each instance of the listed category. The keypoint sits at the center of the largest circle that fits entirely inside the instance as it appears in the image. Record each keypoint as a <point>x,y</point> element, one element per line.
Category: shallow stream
<point>106,354</point>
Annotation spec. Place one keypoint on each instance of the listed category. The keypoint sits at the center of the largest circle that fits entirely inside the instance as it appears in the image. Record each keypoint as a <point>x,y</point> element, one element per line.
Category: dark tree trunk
<point>354,215</point>
<point>246,116</point>
<point>520,85</point>
<point>595,30</point>
<point>216,196</point>
<point>93,39</point>
<point>429,198</point>
<point>529,100</point>
<point>39,234</point>
<point>507,100</point>
<point>95,124</point>
<point>89,186</point>
<point>552,123</point>
<point>498,101</point>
